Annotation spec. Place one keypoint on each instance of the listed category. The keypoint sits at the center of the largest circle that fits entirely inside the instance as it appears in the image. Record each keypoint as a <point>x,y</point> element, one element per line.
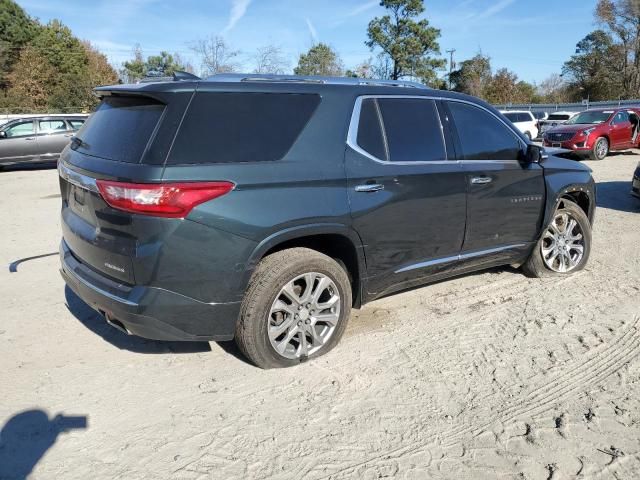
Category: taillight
<point>174,200</point>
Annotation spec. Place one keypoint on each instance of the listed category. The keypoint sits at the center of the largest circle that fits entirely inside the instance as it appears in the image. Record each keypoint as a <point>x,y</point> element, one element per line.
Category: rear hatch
<point>126,139</point>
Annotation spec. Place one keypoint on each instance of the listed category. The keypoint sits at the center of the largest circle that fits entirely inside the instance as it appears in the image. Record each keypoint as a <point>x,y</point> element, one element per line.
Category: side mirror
<point>3,134</point>
<point>534,154</point>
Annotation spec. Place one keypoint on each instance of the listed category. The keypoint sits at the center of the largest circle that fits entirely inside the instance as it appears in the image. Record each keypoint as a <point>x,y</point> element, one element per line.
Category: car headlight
<point>587,131</point>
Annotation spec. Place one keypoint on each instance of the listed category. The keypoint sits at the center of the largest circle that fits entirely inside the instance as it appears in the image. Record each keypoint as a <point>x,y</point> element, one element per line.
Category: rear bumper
<point>149,312</point>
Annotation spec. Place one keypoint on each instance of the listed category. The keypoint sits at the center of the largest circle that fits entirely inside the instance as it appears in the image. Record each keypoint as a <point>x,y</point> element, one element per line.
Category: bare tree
<point>270,59</point>
<point>383,67</point>
<point>553,89</point>
<point>216,56</point>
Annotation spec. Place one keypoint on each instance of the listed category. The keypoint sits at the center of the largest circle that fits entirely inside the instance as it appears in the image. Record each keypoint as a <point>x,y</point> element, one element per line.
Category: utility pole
<point>450,52</point>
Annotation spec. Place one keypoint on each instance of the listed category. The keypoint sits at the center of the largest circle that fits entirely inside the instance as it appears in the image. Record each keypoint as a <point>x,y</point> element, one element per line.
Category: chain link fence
<point>569,107</point>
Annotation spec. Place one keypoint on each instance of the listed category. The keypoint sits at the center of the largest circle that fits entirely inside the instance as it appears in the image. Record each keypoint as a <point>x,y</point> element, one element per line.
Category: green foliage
<point>412,46</point>
<point>45,67</point>
<point>16,30</point>
<point>473,76</point>
<point>161,65</point>
<point>593,72</point>
<point>321,59</point>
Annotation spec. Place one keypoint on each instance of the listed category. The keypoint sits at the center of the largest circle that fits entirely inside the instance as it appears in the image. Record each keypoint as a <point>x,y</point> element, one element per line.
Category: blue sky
<point>531,37</point>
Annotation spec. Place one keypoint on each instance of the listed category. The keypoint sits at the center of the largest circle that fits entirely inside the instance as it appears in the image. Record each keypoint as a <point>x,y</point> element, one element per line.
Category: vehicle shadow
<point>97,324</point>
<point>13,266</point>
<point>26,437</point>
<point>616,196</point>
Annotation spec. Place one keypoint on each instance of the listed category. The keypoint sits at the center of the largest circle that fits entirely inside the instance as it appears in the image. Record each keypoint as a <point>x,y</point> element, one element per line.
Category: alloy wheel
<point>304,315</point>
<point>602,148</point>
<point>563,243</point>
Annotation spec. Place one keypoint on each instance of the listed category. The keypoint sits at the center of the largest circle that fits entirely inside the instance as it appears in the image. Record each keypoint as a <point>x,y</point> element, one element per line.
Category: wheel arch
<point>337,241</point>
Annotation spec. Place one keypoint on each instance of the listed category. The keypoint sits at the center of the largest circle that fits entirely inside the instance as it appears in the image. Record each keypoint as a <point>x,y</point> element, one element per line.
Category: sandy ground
<point>492,375</point>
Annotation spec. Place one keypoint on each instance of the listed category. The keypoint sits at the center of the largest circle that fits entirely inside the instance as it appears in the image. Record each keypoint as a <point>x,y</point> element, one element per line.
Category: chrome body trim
<point>77,179</point>
<point>455,258</point>
<point>67,273</point>
<point>352,135</point>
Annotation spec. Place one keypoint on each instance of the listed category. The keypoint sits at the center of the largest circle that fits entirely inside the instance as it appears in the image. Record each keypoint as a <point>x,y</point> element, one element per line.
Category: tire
<point>528,135</point>
<point>537,267</point>
<point>292,267</point>
<point>600,149</point>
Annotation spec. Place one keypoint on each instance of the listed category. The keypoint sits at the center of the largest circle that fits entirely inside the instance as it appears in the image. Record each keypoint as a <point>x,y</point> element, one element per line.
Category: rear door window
<point>51,126</point>
<point>412,129</point>
<point>121,128</point>
<point>241,127</point>
<point>482,136</point>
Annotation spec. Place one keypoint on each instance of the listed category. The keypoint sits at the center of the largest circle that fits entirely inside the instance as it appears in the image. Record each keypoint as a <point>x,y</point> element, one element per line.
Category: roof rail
<point>256,77</point>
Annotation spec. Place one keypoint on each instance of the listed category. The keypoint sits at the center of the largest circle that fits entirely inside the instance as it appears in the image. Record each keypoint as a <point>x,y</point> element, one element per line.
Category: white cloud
<point>312,30</point>
<point>497,8</point>
<point>363,8</point>
<point>238,9</point>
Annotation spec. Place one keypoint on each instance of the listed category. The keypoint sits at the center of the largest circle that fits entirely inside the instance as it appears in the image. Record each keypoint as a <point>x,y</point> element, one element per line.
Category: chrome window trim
<point>352,134</point>
<point>461,256</point>
<point>77,179</point>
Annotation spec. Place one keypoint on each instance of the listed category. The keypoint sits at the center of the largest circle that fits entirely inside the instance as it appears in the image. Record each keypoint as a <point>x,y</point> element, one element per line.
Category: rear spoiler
<point>178,76</point>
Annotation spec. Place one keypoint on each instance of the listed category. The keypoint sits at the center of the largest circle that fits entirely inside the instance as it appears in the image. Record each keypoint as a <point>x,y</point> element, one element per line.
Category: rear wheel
<point>564,246</point>
<point>600,149</point>
<point>296,308</point>
<point>528,135</point>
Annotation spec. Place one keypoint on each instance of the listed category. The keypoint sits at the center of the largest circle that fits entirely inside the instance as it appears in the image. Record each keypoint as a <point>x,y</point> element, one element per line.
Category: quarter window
<point>76,124</point>
<point>241,127</point>
<point>370,136</point>
<point>21,129</point>
<point>482,136</point>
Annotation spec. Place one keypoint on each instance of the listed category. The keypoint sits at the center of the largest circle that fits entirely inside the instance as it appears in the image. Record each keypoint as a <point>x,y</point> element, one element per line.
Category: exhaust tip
<point>117,324</point>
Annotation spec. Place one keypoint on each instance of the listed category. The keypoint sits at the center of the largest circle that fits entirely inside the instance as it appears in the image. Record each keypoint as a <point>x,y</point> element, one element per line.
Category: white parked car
<point>524,121</point>
<point>554,119</point>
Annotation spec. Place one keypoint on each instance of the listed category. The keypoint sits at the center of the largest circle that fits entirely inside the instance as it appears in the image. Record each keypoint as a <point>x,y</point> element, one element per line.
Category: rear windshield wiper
<point>78,142</point>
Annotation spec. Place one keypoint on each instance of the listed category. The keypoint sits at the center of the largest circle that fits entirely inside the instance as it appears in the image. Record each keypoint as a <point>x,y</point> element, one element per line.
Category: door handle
<point>481,180</point>
<point>30,138</point>
<point>369,187</point>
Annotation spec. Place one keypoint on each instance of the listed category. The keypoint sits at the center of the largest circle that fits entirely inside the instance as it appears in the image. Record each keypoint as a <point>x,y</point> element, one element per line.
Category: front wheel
<point>296,308</point>
<point>600,149</point>
<point>565,244</point>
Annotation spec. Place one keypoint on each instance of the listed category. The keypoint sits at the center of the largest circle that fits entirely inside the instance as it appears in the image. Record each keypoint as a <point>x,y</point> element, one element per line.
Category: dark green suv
<point>265,208</point>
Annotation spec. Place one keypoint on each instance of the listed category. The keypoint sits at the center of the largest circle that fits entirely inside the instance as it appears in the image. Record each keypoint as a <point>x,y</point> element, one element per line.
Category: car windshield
<point>592,117</point>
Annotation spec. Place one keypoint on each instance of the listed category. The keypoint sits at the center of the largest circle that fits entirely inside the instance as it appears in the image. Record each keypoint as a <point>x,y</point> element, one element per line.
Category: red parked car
<point>595,133</point>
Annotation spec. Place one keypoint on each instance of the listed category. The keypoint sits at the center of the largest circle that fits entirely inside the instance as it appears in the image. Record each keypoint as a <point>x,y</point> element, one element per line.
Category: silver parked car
<point>36,139</point>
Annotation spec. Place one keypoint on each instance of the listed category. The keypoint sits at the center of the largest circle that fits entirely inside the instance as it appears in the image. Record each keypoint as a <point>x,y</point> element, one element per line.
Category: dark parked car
<point>36,139</point>
<point>265,208</point>
<point>597,132</point>
<point>635,183</point>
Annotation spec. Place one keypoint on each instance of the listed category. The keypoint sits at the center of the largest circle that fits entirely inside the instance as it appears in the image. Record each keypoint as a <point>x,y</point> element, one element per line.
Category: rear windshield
<point>120,128</point>
<point>558,116</point>
<point>241,127</point>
